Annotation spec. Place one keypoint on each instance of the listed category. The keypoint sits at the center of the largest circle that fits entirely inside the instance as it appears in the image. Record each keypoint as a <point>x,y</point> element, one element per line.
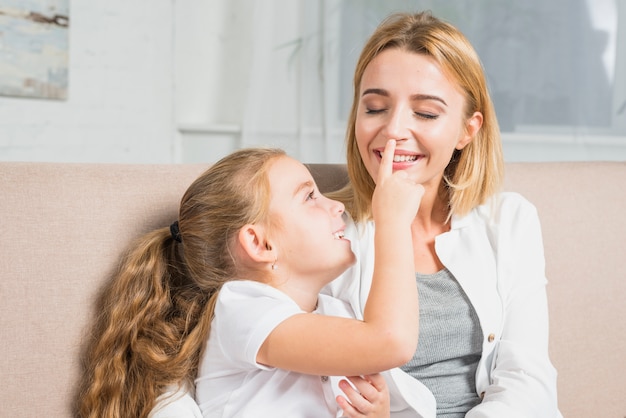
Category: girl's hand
<point>370,399</point>
<point>396,196</point>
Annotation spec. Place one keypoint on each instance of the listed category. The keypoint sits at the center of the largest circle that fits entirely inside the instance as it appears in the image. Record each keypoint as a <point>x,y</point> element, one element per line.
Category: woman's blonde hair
<point>475,172</point>
<point>155,315</point>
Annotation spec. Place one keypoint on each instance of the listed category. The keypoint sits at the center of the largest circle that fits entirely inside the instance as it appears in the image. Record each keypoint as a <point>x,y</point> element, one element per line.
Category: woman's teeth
<point>402,158</point>
<point>339,235</point>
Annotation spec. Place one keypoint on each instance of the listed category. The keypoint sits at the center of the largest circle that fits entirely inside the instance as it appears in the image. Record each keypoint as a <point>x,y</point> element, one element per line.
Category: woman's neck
<point>432,214</point>
<point>431,220</point>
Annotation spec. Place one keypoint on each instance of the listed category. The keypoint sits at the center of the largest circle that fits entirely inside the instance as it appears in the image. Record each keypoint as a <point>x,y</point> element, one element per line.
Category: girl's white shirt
<point>496,255</point>
<point>231,383</point>
<point>176,402</point>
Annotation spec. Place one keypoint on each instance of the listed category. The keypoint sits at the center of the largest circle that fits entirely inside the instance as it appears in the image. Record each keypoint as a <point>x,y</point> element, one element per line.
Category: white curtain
<point>556,71</point>
<point>292,98</point>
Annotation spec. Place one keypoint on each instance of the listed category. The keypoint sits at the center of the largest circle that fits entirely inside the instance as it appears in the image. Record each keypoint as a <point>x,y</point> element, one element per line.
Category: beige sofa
<point>63,227</point>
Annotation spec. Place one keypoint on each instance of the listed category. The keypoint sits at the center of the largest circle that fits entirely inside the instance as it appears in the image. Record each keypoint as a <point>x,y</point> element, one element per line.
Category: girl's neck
<point>302,291</point>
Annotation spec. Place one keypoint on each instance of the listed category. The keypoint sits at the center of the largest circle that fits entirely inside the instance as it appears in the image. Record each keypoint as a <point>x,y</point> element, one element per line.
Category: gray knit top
<point>449,346</point>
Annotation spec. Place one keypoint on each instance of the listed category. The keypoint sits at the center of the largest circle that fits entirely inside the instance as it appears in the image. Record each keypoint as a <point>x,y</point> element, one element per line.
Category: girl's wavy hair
<point>154,317</point>
<point>474,173</point>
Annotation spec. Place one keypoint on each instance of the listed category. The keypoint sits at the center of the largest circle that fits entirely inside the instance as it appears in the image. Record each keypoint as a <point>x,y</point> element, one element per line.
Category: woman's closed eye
<point>374,111</point>
<point>421,115</point>
<point>428,116</point>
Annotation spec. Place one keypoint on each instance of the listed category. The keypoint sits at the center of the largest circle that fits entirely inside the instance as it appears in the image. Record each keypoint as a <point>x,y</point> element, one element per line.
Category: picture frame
<point>34,48</point>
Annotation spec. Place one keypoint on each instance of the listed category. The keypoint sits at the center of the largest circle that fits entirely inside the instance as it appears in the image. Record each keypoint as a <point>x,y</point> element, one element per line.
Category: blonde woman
<point>477,253</point>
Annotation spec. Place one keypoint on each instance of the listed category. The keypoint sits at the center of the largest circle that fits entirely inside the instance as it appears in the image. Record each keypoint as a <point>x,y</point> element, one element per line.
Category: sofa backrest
<point>65,226</point>
<point>581,207</point>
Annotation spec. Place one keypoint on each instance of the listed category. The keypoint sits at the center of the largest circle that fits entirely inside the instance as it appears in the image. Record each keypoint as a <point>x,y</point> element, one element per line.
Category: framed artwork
<point>34,48</point>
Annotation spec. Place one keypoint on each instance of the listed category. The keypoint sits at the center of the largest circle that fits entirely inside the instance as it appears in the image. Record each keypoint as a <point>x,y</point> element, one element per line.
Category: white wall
<point>213,54</point>
<point>120,101</point>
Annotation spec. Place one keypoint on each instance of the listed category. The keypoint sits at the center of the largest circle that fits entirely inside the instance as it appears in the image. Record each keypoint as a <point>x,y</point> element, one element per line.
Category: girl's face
<point>406,96</point>
<point>307,227</point>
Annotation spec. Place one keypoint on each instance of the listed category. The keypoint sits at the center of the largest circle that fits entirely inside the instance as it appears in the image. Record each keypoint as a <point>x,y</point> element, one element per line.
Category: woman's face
<point>308,227</point>
<point>406,96</point>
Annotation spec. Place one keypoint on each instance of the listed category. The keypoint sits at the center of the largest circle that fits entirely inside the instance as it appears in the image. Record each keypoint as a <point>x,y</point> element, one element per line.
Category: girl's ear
<point>472,126</point>
<point>253,241</point>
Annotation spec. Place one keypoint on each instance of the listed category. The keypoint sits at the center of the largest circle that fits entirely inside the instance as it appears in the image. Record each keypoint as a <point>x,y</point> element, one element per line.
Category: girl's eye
<point>374,111</point>
<point>311,195</point>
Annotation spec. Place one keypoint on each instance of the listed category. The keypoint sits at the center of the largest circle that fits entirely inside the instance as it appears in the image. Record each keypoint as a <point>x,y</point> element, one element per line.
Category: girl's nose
<point>336,207</point>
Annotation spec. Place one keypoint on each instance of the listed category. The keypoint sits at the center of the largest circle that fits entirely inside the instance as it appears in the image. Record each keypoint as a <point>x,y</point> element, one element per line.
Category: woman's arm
<point>387,335</point>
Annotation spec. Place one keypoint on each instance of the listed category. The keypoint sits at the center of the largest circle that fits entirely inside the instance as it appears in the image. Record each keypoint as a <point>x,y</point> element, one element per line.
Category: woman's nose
<point>397,125</point>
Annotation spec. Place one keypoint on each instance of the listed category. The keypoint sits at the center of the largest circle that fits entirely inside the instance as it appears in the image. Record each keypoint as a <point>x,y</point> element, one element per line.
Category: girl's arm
<point>387,335</point>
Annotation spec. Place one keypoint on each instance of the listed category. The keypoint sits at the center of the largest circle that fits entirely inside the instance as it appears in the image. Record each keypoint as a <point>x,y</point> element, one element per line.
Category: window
<point>556,69</point>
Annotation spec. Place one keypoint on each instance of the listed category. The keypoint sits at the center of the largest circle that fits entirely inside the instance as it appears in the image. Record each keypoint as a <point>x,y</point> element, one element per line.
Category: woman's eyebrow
<point>379,92</point>
<point>423,97</point>
<point>415,97</point>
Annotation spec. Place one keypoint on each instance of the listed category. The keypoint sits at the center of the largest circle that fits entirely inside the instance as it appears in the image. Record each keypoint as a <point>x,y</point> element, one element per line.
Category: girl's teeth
<point>338,235</point>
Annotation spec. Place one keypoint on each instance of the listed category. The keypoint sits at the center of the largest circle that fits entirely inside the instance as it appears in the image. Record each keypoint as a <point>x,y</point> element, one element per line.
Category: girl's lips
<point>340,233</point>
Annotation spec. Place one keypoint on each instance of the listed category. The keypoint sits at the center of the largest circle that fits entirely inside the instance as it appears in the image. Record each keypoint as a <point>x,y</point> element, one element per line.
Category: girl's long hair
<point>154,317</point>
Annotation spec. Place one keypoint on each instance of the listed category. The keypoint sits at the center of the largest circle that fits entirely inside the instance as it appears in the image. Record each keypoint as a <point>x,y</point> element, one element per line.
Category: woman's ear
<point>472,126</point>
<point>253,241</point>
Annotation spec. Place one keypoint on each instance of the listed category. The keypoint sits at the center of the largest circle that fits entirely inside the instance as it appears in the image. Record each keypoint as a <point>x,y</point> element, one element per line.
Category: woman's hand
<point>369,399</point>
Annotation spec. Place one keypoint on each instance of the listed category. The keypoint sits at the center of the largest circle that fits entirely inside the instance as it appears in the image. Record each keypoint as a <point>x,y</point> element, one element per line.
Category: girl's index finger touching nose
<point>386,164</point>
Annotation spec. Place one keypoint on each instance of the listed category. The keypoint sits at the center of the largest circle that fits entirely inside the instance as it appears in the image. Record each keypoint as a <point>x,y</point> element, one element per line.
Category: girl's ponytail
<point>151,323</point>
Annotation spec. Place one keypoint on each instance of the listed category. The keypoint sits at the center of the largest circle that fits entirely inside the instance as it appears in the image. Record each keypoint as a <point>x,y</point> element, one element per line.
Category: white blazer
<point>496,254</point>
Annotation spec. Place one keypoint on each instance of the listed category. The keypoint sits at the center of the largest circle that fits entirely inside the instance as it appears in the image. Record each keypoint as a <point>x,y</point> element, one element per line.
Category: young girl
<point>254,244</point>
